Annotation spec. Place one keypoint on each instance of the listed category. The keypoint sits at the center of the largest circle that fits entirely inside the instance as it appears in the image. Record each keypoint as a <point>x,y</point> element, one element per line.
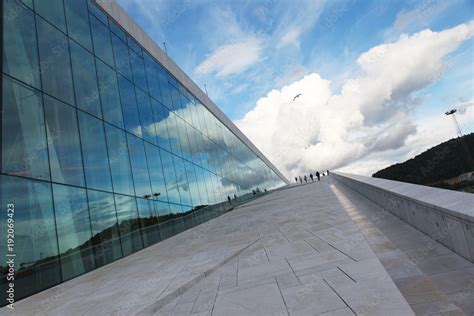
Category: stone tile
<point>339,312</point>
<point>260,300</point>
<point>441,264</point>
<point>440,307</point>
<point>311,298</point>
<point>419,290</point>
<point>465,301</point>
<point>315,260</point>
<point>373,296</point>
<point>287,280</point>
<point>455,281</point>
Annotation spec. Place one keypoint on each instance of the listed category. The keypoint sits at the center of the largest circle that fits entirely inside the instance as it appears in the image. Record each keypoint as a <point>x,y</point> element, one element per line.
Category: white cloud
<point>290,37</point>
<point>369,122</point>
<point>232,58</point>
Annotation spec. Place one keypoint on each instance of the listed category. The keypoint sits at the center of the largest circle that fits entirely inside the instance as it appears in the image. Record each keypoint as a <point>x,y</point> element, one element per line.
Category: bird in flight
<point>296,96</point>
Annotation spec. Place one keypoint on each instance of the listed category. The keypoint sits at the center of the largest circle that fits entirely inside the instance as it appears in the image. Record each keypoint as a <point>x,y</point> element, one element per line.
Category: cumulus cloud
<point>371,115</point>
<point>232,58</point>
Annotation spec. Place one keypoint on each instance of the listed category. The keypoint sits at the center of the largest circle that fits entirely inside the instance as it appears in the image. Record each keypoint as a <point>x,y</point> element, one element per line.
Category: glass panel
<point>106,239</point>
<point>29,3</point>
<point>78,22</point>
<point>165,227</point>
<point>85,80</point>
<point>141,178</point>
<point>129,106</point>
<point>101,40</point>
<point>138,69</point>
<point>129,226</point>
<point>146,116</point>
<point>182,179</point>
<point>202,185</point>
<point>24,149</point>
<point>170,176</point>
<point>109,94</point>
<point>94,150</point>
<point>156,172</point>
<point>63,142</point>
<point>117,30</point>
<point>52,11</point>
<point>148,222</point>
<point>54,58</point>
<point>98,12</point>
<point>36,247</point>
<point>174,134</point>
<point>122,60</point>
<point>20,54</point>
<point>119,160</point>
<point>160,113</point>
<point>74,230</point>
<point>134,46</point>
<point>152,77</point>
<point>193,184</point>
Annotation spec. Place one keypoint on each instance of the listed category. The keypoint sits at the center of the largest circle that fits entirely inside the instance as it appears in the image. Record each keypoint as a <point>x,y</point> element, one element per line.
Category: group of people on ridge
<point>317,175</point>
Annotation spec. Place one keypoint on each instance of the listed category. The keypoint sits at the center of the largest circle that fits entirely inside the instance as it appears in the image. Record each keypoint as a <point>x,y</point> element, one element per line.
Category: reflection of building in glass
<point>104,150</point>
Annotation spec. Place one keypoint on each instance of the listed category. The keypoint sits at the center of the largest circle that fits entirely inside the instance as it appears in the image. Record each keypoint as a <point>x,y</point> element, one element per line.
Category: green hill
<point>444,161</point>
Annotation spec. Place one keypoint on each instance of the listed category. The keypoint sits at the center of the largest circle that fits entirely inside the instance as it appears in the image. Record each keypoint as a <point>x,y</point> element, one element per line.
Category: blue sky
<point>244,49</point>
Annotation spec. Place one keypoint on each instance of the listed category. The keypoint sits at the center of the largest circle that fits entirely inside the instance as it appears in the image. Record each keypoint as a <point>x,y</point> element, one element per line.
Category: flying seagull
<point>296,96</point>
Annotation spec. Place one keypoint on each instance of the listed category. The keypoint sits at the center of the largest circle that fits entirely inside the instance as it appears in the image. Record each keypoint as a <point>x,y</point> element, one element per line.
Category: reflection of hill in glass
<point>108,245</point>
<point>109,234</point>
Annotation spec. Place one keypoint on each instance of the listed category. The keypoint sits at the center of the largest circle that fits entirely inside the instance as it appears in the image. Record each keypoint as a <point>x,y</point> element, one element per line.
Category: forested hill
<point>444,161</point>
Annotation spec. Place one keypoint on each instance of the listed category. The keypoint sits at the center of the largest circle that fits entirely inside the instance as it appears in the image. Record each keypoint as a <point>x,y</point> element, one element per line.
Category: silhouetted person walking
<point>228,199</point>
<point>301,180</point>
<point>327,172</point>
<point>311,176</point>
<point>318,175</point>
<point>305,179</point>
<point>296,179</point>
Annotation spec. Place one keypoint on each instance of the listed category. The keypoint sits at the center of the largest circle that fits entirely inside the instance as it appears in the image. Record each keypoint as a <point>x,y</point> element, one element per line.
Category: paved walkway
<point>310,260</point>
<point>433,279</point>
<point>294,251</point>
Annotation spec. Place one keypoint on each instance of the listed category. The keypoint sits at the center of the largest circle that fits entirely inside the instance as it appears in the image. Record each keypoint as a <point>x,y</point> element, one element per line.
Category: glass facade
<point>104,152</point>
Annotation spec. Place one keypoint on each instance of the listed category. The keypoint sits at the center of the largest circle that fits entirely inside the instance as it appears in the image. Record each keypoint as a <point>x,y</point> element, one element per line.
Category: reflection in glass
<point>52,11</point>
<point>78,22</point>
<point>152,77</point>
<point>36,248</point>
<point>182,181</point>
<point>148,222</point>
<point>63,142</point>
<point>94,150</point>
<point>85,80</point>
<point>74,230</point>
<point>138,71</point>
<point>170,176</point>
<point>54,52</point>
<point>141,177</point>
<point>129,226</point>
<point>160,113</point>
<point>109,94</point>
<point>146,116</point>
<point>20,54</point>
<point>122,60</point>
<point>24,149</point>
<point>129,107</point>
<point>156,172</point>
<point>119,160</point>
<point>101,41</point>
<point>162,210</point>
<point>105,233</point>
<point>193,184</point>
